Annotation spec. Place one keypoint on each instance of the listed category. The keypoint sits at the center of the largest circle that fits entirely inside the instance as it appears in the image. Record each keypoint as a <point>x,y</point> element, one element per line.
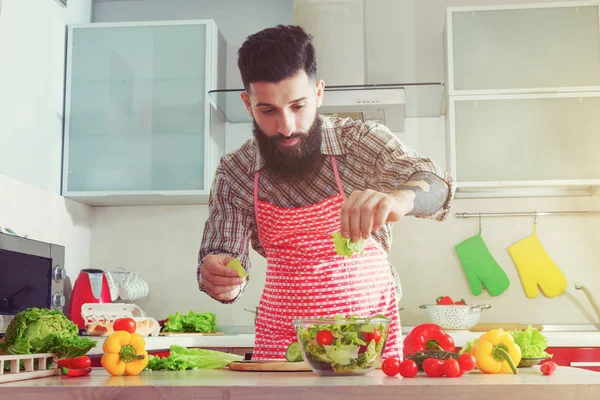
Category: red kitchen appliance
<point>91,286</point>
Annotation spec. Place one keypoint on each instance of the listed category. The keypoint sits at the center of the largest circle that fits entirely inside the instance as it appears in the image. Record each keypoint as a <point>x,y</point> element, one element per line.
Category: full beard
<point>294,161</point>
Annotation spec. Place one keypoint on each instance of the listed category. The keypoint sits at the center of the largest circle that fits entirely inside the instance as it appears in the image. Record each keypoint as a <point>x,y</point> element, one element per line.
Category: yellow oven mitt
<point>480,266</point>
<point>537,268</point>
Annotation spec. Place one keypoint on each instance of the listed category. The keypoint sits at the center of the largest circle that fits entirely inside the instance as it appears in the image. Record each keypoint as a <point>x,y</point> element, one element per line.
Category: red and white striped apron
<point>306,278</point>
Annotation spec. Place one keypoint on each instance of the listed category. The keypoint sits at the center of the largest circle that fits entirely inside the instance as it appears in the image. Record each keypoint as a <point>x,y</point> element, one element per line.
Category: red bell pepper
<point>71,372</point>
<point>428,337</point>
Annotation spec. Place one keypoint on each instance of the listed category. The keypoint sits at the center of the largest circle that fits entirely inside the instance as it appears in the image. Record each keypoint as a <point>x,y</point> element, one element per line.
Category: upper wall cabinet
<point>523,48</point>
<point>523,99</point>
<point>139,126</point>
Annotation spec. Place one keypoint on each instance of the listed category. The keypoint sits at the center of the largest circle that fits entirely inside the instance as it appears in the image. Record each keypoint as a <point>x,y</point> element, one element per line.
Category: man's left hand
<point>366,211</point>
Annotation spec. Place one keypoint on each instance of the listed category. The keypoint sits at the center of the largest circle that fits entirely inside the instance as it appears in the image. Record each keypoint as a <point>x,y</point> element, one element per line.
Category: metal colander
<point>454,316</point>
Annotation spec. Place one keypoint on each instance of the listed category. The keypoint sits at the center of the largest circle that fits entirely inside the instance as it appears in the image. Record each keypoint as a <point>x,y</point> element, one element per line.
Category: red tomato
<point>408,368</point>
<point>444,301</point>
<point>125,324</point>
<point>375,335</point>
<point>433,367</point>
<point>467,362</point>
<point>548,368</point>
<point>325,338</point>
<point>391,366</point>
<point>451,368</point>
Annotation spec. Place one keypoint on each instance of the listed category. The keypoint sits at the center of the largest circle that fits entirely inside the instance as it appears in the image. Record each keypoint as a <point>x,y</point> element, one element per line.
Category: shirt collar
<point>331,144</point>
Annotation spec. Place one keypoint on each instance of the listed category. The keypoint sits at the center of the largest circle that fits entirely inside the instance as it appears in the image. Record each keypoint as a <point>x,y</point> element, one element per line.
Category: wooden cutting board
<point>268,366</point>
<point>190,334</point>
<point>484,327</point>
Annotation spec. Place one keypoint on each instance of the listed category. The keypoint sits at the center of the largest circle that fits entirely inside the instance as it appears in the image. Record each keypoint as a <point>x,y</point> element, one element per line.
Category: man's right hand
<point>220,282</point>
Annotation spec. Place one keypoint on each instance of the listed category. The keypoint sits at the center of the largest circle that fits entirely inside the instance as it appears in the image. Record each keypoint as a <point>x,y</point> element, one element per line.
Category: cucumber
<point>293,352</point>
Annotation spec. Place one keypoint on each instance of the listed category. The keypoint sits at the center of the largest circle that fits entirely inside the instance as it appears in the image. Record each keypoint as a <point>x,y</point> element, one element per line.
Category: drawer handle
<point>584,364</point>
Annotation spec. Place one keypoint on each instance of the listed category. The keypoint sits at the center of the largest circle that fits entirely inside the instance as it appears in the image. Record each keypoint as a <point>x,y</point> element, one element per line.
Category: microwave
<point>32,274</point>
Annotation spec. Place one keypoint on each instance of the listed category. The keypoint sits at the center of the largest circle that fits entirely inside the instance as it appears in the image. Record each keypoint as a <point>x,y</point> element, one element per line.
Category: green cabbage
<point>39,330</point>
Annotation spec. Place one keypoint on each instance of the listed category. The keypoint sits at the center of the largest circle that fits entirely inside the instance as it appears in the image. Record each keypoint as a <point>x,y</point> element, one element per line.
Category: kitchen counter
<point>566,383</point>
<point>556,338</point>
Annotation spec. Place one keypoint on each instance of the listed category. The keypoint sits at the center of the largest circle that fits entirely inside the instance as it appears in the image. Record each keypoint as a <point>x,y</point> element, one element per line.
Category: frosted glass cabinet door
<point>136,108</point>
<point>543,46</point>
<point>527,138</point>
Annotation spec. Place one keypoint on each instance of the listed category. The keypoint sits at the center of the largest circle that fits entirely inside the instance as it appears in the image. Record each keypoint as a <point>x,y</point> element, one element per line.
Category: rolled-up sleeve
<point>397,162</point>
<point>227,229</point>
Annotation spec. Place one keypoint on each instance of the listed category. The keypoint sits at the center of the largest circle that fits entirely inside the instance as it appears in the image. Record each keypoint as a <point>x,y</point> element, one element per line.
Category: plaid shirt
<point>368,156</point>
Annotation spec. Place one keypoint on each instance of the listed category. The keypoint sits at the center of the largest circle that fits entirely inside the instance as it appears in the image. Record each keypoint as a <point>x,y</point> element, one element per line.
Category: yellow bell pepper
<point>124,353</point>
<point>496,352</point>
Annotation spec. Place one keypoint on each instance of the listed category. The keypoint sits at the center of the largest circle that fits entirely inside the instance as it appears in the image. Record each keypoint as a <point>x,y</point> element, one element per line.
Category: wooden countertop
<point>565,383</point>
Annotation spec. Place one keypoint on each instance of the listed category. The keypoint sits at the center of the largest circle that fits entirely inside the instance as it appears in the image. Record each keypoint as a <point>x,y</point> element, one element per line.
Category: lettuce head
<point>39,330</point>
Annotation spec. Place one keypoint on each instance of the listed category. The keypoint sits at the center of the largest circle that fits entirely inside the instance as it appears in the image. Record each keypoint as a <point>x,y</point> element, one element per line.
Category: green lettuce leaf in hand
<point>181,358</point>
<point>236,265</point>
<point>191,322</point>
<point>346,247</point>
<point>532,343</point>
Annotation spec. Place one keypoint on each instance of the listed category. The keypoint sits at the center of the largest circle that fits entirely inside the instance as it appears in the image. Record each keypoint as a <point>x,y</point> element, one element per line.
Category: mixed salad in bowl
<point>335,346</point>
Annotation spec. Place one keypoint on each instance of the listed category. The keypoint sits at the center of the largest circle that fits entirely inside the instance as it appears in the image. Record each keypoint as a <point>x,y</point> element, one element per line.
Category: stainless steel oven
<point>32,274</point>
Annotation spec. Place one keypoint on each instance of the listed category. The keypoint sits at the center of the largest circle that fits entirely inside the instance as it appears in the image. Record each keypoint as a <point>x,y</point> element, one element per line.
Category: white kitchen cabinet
<point>523,48</point>
<point>523,96</point>
<point>139,126</point>
<point>525,140</point>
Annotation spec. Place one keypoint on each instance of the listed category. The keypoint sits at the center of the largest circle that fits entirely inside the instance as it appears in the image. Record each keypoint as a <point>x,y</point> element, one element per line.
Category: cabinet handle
<point>584,364</point>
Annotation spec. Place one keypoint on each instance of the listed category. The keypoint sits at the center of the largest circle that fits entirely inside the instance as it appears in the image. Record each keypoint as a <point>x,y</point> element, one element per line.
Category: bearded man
<point>300,179</point>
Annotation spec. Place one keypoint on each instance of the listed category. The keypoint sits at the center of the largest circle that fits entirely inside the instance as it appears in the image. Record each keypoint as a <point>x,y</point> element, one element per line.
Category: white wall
<point>32,52</point>
<point>161,243</point>
<point>32,35</point>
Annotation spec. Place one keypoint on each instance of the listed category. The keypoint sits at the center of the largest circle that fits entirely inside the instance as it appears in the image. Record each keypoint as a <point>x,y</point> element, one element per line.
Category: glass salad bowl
<point>530,362</point>
<point>342,346</point>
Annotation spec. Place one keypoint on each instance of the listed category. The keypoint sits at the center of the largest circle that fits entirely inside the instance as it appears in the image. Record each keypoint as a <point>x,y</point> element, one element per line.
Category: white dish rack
<point>35,367</point>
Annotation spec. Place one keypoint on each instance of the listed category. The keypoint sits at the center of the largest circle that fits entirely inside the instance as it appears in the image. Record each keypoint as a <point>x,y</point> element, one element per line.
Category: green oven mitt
<point>480,267</point>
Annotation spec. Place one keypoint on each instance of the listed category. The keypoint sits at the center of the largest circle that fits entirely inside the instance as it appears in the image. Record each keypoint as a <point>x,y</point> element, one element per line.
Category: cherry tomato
<point>433,367</point>
<point>408,368</point>
<point>325,338</point>
<point>451,368</point>
<point>125,324</point>
<point>467,362</point>
<point>391,366</point>
<point>375,335</point>
<point>548,368</point>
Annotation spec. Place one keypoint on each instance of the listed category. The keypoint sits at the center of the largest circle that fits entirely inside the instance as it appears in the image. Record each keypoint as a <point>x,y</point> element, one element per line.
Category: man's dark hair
<point>275,54</point>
